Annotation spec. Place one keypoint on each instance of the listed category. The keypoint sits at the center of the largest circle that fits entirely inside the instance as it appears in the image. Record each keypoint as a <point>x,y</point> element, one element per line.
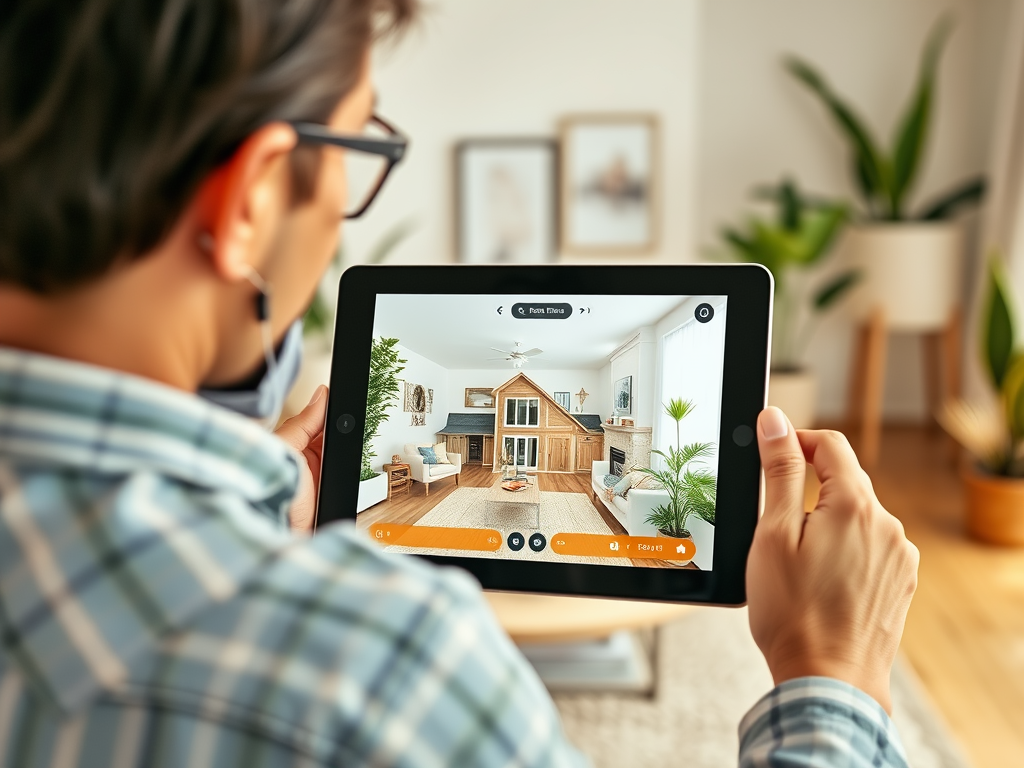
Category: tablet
<point>574,430</point>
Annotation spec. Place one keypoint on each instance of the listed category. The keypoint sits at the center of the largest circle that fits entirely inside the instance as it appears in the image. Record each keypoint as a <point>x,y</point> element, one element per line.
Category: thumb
<point>305,426</point>
<point>785,469</point>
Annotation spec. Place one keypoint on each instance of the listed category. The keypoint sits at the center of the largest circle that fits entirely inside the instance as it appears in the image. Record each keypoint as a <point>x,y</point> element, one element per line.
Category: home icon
<point>681,549</point>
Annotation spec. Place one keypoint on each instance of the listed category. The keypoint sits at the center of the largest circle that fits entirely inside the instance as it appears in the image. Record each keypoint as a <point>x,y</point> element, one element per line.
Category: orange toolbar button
<point>637,547</point>
<point>477,539</point>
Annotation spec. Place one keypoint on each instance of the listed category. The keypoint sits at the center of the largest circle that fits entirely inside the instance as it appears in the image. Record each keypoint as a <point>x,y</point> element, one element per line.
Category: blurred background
<point>674,131</point>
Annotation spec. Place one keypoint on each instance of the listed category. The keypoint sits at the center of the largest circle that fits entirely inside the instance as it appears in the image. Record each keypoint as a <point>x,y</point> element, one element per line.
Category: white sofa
<point>632,512</point>
<point>430,473</point>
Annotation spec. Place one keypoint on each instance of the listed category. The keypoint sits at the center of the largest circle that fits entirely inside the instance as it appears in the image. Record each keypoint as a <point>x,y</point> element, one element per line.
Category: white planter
<point>372,491</point>
<point>911,270</point>
<point>315,370</point>
<point>796,393</point>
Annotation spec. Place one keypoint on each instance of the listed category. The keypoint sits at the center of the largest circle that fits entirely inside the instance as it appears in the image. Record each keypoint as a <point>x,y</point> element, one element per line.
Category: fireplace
<point>617,459</point>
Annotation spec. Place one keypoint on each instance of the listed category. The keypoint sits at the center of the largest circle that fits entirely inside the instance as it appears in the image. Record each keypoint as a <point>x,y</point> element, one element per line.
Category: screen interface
<point>576,429</point>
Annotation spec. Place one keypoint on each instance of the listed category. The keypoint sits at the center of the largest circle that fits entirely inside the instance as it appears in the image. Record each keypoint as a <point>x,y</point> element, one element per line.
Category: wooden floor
<point>408,508</point>
<point>965,631</point>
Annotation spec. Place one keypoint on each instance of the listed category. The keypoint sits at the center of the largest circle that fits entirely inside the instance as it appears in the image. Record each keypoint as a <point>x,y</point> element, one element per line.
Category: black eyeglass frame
<point>392,147</point>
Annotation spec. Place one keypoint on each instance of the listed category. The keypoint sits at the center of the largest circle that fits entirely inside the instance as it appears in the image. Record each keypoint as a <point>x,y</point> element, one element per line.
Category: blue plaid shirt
<point>156,611</point>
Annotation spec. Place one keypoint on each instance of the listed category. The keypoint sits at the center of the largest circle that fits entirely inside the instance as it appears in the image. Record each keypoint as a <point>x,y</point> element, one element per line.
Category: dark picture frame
<point>506,200</point>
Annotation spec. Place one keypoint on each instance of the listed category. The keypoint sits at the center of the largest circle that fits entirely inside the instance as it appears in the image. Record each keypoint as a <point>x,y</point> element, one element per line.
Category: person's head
<point>148,166</point>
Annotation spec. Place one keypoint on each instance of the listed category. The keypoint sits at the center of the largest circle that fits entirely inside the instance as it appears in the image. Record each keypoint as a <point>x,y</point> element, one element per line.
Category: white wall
<point>756,124</point>
<point>731,118</point>
<point>549,381</point>
<point>479,68</point>
<point>398,429</point>
<point>637,359</point>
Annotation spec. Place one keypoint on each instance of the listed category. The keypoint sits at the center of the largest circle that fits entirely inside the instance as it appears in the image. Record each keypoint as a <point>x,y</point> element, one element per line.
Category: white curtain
<point>1003,222</point>
<point>691,369</point>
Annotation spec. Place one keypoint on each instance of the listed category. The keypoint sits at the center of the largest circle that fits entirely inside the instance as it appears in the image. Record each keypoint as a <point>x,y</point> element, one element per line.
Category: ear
<point>242,201</point>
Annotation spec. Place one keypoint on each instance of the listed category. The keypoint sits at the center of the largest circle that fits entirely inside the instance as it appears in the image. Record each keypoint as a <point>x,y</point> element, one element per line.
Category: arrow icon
<point>499,310</point>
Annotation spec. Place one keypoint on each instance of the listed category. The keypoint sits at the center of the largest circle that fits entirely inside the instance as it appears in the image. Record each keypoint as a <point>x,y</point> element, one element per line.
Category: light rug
<point>709,673</point>
<point>559,513</point>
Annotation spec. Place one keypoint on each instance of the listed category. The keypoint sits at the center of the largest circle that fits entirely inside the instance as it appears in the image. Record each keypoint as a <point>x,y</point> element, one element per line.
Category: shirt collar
<point>105,480</point>
<point>57,412</point>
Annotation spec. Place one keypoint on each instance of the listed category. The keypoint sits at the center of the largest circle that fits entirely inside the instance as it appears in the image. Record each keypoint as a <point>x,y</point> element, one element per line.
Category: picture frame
<point>562,398</point>
<point>622,396</point>
<point>609,184</point>
<point>506,206</point>
<point>479,397</point>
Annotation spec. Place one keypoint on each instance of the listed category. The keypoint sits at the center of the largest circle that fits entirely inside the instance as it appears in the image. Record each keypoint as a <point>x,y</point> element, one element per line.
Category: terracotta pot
<point>995,508</point>
<point>676,563</point>
<point>912,270</point>
<point>796,393</point>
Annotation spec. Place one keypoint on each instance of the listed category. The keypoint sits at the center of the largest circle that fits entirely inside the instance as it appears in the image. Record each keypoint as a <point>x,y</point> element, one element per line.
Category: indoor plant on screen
<point>382,392</point>
<point>910,260</point>
<point>994,435</point>
<point>792,245</point>
<point>690,486</point>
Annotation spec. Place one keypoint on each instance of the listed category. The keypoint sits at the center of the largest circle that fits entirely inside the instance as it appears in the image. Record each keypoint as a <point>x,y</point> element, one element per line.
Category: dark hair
<point>112,112</point>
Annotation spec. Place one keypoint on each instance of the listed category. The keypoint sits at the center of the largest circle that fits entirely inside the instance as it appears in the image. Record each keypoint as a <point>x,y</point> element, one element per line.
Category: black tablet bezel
<point>744,386</point>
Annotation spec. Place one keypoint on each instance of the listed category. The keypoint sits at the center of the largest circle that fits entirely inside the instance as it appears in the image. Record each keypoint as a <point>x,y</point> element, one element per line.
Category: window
<point>522,412</point>
<point>523,451</point>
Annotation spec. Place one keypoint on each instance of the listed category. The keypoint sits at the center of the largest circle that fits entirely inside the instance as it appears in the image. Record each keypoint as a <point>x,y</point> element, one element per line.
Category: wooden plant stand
<point>867,377</point>
<point>399,479</point>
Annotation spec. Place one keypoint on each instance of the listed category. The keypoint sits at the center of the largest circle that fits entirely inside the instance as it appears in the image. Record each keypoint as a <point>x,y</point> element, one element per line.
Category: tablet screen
<point>575,429</point>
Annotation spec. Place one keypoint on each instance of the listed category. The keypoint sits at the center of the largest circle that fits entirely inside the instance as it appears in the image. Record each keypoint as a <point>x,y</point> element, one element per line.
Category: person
<point>165,214</point>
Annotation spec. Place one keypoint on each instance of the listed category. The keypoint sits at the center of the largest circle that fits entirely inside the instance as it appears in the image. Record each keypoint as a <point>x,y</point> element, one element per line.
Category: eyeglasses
<point>374,154</point>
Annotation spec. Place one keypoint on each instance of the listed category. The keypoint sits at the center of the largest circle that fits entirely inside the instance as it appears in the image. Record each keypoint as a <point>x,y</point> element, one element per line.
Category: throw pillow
<point>609,481</point>
<point>441,451</point>
<point>621,487</point>
<point>429,457</point>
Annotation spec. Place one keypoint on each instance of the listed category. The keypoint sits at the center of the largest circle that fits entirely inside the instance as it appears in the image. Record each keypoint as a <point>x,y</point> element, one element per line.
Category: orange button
<point>638,547</point>
<point>477,539</point>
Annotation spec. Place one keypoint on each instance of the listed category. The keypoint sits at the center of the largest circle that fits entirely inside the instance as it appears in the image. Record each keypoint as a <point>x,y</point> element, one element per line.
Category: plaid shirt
<point>156,611</point>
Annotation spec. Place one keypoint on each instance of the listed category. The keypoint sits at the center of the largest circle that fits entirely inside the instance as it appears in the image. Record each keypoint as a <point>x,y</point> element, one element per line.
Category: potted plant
<point>797,241</point>
<point>691,489</point>
<point>994,435</point>
<point>382,392</point>
<point>318,322</point>
<point>910,260</point>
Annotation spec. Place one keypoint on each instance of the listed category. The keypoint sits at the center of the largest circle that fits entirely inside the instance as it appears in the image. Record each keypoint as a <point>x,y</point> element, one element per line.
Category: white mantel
<point>635,442</point>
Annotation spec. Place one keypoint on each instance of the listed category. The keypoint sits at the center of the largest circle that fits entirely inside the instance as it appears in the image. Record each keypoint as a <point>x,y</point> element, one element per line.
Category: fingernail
<point>317,394</point>
<point>773,423</point>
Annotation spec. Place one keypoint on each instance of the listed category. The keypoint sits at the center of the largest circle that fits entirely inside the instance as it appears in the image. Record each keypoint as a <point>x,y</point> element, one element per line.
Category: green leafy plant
<point>691,489</point>
<point>800,237</point>
<point>885,179</point>
<point>319,316</point>
<point>995,436</point>
<point>382,392</point>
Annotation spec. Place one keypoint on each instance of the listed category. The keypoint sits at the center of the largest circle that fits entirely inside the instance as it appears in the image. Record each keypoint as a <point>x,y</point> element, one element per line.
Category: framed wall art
<point>562,398</point>
<point>609,184</point>
<point>622,396</point>
<point>479,397</point>
<point>506,206</point>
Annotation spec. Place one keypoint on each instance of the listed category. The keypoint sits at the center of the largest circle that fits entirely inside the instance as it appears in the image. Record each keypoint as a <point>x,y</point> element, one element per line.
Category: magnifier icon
<point>522,311</point>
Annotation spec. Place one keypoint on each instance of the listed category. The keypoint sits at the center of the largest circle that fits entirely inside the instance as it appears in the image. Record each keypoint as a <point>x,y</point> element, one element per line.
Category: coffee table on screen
<point>528,497</point>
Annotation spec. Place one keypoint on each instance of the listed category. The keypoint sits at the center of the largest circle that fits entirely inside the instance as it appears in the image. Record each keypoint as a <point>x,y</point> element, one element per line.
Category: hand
<point>828,591</point>
<point>305,433</point>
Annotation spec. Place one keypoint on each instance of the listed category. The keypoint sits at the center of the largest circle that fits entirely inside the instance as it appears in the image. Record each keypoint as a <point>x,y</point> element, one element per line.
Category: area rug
<point>559,513</point>
<point>709,673</point>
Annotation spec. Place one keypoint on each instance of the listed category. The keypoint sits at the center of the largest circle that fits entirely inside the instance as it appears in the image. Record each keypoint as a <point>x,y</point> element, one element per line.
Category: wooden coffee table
<point>529,497</point>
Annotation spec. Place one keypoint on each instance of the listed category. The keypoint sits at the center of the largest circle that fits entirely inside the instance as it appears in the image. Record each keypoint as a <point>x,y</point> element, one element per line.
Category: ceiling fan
<point>517,357</point>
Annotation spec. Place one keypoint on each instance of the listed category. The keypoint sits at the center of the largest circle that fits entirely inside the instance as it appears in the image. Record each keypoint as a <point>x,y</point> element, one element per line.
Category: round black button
<point>704,313</point>
<point>743,435</point>
<point>346,423</point>
<point>538,542</point>
<point>515,541</point>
